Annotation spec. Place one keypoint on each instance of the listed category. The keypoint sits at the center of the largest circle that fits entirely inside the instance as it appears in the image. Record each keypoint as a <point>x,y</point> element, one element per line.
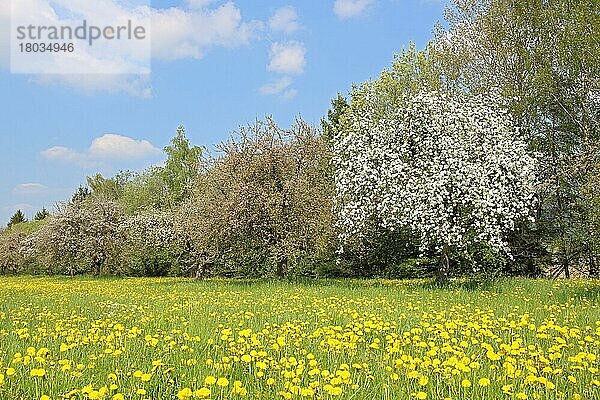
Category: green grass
<point>375,339</point>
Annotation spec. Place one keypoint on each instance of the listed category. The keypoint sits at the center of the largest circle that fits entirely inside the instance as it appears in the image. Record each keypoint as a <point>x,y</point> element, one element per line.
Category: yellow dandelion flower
<point>246,358</point>
<point>222,382</point>
<point>483,382</point>
<point>202,393</point>
<point>184,394</point>
<point>210,380</point>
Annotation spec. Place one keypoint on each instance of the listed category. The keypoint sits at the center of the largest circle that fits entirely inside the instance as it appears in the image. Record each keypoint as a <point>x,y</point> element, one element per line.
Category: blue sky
<point>279,58</point>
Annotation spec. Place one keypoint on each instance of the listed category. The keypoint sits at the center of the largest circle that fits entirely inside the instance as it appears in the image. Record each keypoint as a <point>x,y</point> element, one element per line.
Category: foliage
<point>264,205</point>
<point>110,188</point>
<point>82,237</point>
<point>17,218</point>
<point>15,241</point>
<point>81,195</point>
<point>146,191</point>
<point>151,245</point>
<point>451,170</point>
<point>181,167</point>
<point>159,187</point>
<point>11,256</point>
<point>544,58</point>
<point>332,123</point>
<point>41,215</point>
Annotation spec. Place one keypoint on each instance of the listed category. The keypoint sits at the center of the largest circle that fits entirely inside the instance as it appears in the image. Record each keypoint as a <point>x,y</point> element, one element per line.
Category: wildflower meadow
<point>163,338</point>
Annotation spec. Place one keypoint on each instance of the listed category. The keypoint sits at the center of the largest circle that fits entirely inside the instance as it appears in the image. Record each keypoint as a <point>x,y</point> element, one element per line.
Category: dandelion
<point>210,380</point>
<point>222,382</point>
<point>483,382</point>
<point>184,394</point>
<point>202,393</point>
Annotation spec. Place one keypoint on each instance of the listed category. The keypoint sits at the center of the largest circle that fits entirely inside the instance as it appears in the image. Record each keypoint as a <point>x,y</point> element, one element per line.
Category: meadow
<point>168,338</point>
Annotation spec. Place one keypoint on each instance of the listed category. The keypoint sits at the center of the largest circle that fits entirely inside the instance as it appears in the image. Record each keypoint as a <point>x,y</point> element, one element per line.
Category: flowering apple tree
<point>451,170</point>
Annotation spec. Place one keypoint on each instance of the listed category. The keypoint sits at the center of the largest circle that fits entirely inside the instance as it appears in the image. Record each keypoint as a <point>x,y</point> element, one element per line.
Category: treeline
<point>261,208</point>
<point>477,154</point>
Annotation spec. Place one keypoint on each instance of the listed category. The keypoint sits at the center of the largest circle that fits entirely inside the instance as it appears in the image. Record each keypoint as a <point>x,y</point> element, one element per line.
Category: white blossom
<point>452,170</point>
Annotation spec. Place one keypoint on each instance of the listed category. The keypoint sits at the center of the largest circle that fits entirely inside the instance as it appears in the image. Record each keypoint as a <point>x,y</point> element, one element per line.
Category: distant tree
<point>331,124</point>
<point>451,170</point>
<point>41,215</point>
<point>147,190</point>
<point>82,237</point>
<point>151,245</point>
<point>11,254</point>
<point>181,167</point>
<point>17,218</point>
<point>111,188</point>
<point>164,186</point>
<point>81,194</point>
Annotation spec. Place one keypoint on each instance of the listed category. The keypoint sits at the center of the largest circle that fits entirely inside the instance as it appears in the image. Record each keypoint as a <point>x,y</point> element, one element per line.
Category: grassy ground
<point>172,338</point>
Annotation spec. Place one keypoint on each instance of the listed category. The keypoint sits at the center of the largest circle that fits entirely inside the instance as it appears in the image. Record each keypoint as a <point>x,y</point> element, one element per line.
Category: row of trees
<point>477,153</point>
<point>261,208</point>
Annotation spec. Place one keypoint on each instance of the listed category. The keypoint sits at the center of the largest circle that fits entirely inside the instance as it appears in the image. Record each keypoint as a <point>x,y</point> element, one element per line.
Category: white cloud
<point>121,147</point>
<point>27,189</point>
<point>4,10</point>
<point>279,87</point>
<point>287,58</point>
<point>104,56</point>
<point>285,20</point>
<point>134,85</point>
<point>289,94</point>
<point>186,31</point>
<point>276,87</point>
<point>351,8</point>
<point>178,33</point>
<point>63,154</point>
<point>106,147</point>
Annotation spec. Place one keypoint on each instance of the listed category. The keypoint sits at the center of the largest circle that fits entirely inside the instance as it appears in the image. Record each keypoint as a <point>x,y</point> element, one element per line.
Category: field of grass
<point>87,338</point>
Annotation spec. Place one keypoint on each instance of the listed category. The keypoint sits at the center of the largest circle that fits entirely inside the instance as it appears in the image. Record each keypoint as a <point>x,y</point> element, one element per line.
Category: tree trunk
<point>444,266</point>
<point>282,266</point>
<point>566,269</point>
<point>593,267</point>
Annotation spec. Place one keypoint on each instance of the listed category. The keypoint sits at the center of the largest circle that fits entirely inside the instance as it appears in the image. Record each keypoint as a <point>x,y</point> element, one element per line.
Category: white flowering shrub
<point>82,237</point>
<point>11,254</point>
<point>451,170</point>
<point>151,244</point>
